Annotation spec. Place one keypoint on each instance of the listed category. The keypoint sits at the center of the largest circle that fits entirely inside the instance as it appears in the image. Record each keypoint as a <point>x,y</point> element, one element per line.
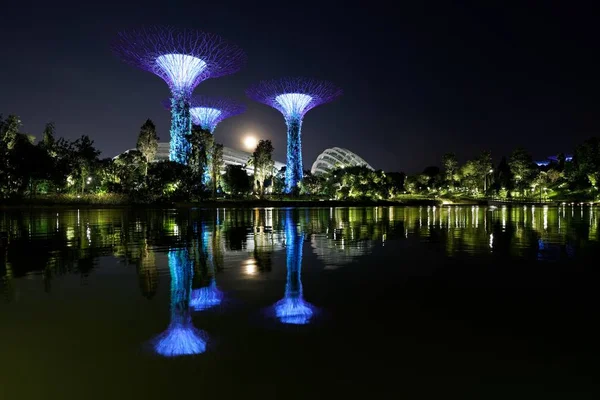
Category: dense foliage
<point>54,167</point>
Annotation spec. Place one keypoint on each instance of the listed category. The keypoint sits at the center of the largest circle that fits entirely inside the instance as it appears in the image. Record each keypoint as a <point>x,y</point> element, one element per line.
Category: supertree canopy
<point>181,337</point>
<point>292,309</point>
<point>208,112</point>
<point>183,58</point>
<point>293,97</point>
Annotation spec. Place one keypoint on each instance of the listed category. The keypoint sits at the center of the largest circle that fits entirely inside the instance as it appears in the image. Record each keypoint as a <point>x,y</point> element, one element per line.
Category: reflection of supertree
<point>292,309</point>
<point>181,337</point>
<point>207,295</point>
<point>293,97</point>
<point>183,58</point>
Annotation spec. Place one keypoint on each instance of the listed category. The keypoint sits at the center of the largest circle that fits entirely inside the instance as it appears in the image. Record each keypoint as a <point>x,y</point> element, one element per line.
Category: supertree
<point>207,112</point>
<point>293,97</point>
<point>181,337</point>
<point>183,58</point>
<point>292,309</point>
<point>207,295</point>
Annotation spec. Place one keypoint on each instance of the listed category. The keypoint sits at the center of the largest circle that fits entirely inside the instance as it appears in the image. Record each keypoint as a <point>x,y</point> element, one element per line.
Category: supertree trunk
<point>293,171</point>
<point>181,128</point>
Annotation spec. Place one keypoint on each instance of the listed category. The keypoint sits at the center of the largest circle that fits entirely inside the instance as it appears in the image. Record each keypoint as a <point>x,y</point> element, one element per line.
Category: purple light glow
<point>183,58</point>
<point>206,297</point>
<point>180,340</point>
<point>293,310</point>
<point>208,112</point>
<point>293,97</point>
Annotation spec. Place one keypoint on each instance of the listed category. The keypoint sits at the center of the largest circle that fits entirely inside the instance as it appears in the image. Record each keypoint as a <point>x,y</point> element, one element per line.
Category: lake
<point>402,302</point>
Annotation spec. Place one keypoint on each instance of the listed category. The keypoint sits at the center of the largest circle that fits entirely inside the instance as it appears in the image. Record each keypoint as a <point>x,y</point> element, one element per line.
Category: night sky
<point>418,81</point>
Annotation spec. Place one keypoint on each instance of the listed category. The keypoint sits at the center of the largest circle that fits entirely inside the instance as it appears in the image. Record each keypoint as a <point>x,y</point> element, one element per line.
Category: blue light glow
<point>206,117</point>
<point>294,104</point>
<point>181,70</point>
<point>294,167</point>
<point>181,337</point>
<point>292,309</point>
<point>181,128</point>
<point>206,297</point>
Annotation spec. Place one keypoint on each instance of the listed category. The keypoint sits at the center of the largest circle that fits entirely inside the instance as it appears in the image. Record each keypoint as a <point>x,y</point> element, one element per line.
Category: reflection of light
<point>250,266</point>
<point>293,310</point>
<point>182,340</point>
<point>545,217</point>
<point>491,240</point>
<point>206,297</point>
<point>88,234</point>
<point>175,230</point>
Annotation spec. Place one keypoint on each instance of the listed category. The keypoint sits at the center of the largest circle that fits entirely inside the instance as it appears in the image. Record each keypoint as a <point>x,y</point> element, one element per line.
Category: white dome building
<point>337,157</point>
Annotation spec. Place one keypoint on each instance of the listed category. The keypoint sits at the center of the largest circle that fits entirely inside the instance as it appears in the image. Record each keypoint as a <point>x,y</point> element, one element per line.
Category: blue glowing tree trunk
<point>181,337</point>
<point>292,309</point>
<point>181,128</point>
<point>294,169</point>
<point>206,174</point>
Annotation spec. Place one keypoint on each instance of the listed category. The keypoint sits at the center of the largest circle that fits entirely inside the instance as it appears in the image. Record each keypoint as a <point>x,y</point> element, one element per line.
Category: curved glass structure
<point>336,157</point>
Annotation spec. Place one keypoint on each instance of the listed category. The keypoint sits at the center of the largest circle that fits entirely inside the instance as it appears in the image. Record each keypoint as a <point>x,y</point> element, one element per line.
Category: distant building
<point>336,157</point>
<point>230,157</point>
<point>552,159</point>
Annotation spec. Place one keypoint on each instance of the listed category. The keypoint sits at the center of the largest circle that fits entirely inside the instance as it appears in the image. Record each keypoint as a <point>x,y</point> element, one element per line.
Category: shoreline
<point>257,203</point>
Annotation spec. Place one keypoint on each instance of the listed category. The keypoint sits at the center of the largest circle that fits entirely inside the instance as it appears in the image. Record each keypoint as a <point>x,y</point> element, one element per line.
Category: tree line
<point>55,166</point>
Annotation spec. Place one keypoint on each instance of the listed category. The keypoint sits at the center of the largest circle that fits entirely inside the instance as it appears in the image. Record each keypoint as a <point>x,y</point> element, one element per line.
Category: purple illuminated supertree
<point>293,97</point>
<point>183,58</point>
<point>208,112</point>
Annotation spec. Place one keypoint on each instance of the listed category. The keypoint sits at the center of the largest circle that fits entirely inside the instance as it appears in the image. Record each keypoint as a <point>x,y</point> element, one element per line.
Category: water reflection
<point>181,337</point>
<point>293,309</point>
<point>205,293</point>
<point>49,244</point>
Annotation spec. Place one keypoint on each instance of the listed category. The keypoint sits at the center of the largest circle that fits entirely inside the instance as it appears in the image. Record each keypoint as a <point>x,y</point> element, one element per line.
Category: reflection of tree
<point>6,278</point>
<point>147,271</point>
<point>292,309</point>
<point>181,337</point>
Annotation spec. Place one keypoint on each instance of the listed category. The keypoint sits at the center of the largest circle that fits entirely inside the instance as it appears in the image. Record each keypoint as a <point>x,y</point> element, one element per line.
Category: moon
<point>250,142</point>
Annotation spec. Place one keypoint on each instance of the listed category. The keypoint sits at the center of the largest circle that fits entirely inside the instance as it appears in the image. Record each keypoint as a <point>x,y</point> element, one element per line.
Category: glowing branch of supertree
<point>181,337</point>
<point>183,59</point>
<point>293,309</point>
<point>293,97</point>
<point>208,112</point>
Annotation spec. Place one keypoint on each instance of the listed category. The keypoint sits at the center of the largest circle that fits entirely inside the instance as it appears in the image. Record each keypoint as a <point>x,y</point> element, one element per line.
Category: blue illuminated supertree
<point>183,58</point>
<point>208,295</point>
<point>207,112</point>
<point>292,309</point>
<point>293,97</point>
<point>181,337</point>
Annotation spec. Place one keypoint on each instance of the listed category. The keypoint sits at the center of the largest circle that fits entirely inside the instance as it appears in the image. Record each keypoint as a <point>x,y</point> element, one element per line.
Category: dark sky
<point>419,81</point>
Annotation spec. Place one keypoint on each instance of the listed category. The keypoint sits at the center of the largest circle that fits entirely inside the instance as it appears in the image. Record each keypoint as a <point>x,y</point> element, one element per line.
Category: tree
<point>216,165</point>
<point>85,158</point>
<point>263,164</point>
<point>147,142</point>
<point>236,180</point>
<point>522,168</point>
<point>450,168</point>
<point>202,142</point>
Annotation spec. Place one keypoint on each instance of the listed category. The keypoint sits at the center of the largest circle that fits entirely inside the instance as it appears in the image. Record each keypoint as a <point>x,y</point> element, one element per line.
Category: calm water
<point>413,302</point>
